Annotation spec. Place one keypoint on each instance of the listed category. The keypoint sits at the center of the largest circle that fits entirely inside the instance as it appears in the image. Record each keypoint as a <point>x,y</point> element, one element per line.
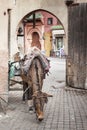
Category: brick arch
<point>28,37</point>
<point>34,30</point>
<point>35,40</point>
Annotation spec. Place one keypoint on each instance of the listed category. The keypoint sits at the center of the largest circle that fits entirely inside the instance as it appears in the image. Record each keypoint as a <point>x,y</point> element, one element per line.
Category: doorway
<point>35,40</point>
<point>59,42</point>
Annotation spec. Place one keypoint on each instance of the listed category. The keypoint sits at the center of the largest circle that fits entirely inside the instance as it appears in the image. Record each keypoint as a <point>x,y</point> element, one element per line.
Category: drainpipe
<point>9,30</point>
<point>9,33</point>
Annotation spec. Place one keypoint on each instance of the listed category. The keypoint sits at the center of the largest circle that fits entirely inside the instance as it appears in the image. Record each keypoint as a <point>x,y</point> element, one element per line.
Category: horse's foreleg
<point>29,97</point>
<point>25,86</point>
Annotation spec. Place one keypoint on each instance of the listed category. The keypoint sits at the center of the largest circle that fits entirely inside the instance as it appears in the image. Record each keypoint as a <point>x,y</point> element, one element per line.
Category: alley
<point>66,110</point>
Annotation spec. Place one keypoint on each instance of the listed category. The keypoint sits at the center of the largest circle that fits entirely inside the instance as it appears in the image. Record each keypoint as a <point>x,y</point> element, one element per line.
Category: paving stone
<point>66,110</point>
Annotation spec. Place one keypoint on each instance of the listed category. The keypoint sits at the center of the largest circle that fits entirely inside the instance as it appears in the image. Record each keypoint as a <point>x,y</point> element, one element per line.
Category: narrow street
<point>66,110</point>
<point>57,74</point>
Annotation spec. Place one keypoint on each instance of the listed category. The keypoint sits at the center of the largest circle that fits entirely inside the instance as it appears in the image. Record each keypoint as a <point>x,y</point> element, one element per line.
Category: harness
<point>33,82</point>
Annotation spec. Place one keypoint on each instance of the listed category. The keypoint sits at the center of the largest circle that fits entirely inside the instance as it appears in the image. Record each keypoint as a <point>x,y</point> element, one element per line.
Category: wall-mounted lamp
<point>69,2</point>
<point>20,32</point>
<point>4,13</point>
<point>43,38</point>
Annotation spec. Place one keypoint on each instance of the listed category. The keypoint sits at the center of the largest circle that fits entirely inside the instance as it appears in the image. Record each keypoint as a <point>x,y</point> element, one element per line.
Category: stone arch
<point>38,30</point>
<point>35,30</point>
<point>29,13</point>
<point>57,7</point>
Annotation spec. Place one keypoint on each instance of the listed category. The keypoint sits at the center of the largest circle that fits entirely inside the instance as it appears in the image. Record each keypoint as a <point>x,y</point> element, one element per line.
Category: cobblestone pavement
<point>66,110</point>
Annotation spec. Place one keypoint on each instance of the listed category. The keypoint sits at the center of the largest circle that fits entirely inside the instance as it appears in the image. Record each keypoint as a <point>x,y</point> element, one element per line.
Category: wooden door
<point>76,71</point>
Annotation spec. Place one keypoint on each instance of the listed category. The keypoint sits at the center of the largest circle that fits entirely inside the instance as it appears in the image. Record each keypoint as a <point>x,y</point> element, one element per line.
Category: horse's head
<point>39,99</point>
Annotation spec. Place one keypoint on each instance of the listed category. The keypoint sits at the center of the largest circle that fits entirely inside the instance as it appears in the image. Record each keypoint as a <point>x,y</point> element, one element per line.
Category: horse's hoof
<point>31,110</point>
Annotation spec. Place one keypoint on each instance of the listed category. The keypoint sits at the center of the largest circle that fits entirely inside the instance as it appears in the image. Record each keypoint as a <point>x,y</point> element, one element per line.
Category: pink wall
<point>47,15</point>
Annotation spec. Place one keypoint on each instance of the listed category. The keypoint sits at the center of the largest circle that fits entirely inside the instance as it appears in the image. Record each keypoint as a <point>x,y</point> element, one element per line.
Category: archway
<point>35,40</point>
<point>49,28</point>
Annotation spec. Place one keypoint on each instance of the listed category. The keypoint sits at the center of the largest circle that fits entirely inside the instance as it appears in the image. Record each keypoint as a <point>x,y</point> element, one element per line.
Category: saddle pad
<point>27,61</point>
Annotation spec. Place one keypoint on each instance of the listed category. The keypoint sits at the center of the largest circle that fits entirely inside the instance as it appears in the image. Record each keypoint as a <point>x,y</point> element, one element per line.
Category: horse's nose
<point>40,117</point>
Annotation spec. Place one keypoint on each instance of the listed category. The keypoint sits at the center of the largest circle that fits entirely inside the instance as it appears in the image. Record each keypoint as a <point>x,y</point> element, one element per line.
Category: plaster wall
<point>22,8</point>
<point>4,49</point>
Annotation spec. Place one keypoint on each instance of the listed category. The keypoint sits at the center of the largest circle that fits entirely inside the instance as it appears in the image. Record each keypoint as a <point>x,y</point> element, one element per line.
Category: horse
<point>33,72</point>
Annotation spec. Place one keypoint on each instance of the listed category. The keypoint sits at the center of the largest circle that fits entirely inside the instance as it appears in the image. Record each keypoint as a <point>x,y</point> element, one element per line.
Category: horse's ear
<point>47,95</point>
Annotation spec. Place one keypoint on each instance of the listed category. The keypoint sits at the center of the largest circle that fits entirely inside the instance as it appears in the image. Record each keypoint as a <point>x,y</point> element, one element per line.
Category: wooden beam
<point>34,21</point>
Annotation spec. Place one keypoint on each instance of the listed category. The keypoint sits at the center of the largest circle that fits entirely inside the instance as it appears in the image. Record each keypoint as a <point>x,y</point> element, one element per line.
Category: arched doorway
<point>35,40</point>
<point>49,28</point>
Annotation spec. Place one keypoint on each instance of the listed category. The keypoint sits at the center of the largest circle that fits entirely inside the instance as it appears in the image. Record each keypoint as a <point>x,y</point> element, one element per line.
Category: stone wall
<point>4,75</point>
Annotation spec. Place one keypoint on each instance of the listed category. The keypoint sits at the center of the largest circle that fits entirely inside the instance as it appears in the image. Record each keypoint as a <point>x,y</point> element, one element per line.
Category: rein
<point>26,90</point>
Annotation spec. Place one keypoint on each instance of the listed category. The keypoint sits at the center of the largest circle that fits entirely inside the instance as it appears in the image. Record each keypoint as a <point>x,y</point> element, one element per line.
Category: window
<point>50,21</point>
<point>59,42</point>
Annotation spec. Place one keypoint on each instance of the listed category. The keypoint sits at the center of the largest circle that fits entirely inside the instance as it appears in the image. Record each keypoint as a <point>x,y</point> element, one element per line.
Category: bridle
<point>38,100</point>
